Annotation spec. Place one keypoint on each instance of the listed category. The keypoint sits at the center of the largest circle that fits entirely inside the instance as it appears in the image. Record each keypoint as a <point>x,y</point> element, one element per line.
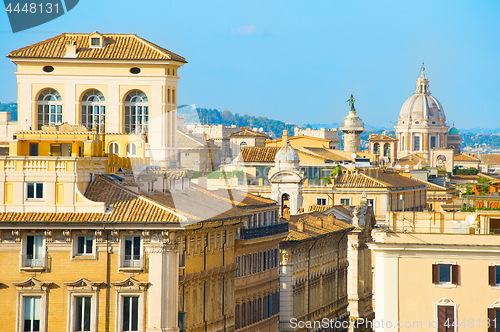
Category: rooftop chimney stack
<point>70,50</point>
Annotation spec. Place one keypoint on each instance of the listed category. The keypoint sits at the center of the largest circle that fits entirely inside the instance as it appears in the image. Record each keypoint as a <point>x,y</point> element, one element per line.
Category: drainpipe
<point>108,276</point>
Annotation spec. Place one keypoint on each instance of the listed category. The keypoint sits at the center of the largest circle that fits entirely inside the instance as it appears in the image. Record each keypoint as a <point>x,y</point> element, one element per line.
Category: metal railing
<point>252,233</point>
<point>32,262</point>
<point>132,261</point>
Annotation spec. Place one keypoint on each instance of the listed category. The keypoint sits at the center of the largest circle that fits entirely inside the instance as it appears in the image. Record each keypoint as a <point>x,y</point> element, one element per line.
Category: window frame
<point>140,266</point>
<point>34,191</point>
<point>445,302</point>
<point>24,254</point>
<point>23,293</point>
<point>93,106</point>
<point>323,199</point>
<point>115,144</point>
<point>345,198</point>
<point>132,146</point>
<point>138,111</point>
<point>454,274</point>
<point>49,103</point>
<point>120,295</point>
<point>84,256</point>
<point>494,276</point>
<point>94,309</point>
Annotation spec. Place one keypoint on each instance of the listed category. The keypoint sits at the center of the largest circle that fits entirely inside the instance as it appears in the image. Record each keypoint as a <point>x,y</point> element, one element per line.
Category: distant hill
<point>212,116</point>
<point>10,107</point>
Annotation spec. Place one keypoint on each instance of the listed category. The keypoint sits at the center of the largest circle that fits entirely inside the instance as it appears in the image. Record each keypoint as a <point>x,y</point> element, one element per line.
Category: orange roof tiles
<point>465,157</point>
<point>376,178</point>
<point>245,131</point>
<point>258,154</point>
<point>116,47</point>
<point>314,224</point>
<point>491,159</point>
<point>381,137</point>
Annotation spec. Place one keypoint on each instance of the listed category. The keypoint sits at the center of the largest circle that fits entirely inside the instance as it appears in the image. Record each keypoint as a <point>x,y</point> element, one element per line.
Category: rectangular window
<point>371,202</point>
<point>34,251</point>
<point>95,41</point>
<point>32,313</point>
<point>130,314</point>
<point>83,305</point>
<point>34,190</point>
<point>345,201</point>
<point>321,201</point>
<point>446,318</point>
<point>416,143</point>
<point>445,274</point>
<point>433,142</point>
<point>132,251</point>
<point>494,319</point>
<point>33,149</point>
<point>85,245</point>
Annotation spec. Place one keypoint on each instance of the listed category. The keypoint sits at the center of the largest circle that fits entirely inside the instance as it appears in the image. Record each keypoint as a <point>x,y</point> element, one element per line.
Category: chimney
<point>70,49</point>
<point>300,226</point>
<point>286,213</point>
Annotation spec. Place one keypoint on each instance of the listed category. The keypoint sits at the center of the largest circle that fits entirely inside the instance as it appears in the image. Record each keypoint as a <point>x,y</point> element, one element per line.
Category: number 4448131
<point>33,8</point>
<point>471,323</point>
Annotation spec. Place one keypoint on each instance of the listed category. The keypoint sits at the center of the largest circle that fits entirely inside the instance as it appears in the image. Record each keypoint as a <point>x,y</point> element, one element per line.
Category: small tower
<point>286,179</point>
<point>352,127</point>
<point>454,141</point>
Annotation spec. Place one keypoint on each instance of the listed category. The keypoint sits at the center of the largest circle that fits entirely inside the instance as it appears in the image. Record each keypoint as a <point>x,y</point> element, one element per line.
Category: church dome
<point>422,108</point>
<point>287,154</point>
<point>453,131</point>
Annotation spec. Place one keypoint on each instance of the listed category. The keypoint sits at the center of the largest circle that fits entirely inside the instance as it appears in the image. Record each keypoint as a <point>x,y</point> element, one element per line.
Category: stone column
<point>164,286</point>
<point>286,290</point>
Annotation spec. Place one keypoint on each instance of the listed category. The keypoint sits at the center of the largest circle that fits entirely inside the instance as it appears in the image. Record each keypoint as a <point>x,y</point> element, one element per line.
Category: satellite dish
<point>353,156</point>
<point>140,167</point>
<point>407,166</point>
<point>228,160</point>
<point>254,129</point>
<point>398,166</point>
<point>415,167</point>
<point>261,130</point>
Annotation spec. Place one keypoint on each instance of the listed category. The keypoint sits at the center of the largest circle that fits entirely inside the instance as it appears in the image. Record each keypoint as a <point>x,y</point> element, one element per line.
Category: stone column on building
<point>164,285</point>
<point>286,290</point>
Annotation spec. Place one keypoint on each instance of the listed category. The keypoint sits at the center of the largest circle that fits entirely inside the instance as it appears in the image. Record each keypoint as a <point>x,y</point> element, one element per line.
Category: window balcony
<point>31,263</point>
<point>252,233</point>
<point>132,263</point>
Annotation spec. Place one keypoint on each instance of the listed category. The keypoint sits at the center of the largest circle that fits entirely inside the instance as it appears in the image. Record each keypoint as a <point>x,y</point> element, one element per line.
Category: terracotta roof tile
<point>313,224</point>
<point>491,159</point>
<point>245,131</point>
<point>465,157</point>
<point>258,154</point>
<point>116,47</point>
<point>381,137</point>
<point>376,178</point>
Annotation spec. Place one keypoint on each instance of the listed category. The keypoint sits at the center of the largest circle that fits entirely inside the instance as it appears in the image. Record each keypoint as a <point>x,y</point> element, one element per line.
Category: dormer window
<point>96,40</point>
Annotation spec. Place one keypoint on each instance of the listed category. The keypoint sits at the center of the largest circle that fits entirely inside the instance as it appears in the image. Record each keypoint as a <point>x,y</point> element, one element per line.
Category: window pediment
<point>85,284</point>
<point>131,284</point>
<point>33,284</point>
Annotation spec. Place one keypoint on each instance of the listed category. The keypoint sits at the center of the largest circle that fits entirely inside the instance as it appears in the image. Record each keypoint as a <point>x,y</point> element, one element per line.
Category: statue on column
<point>351,103</point>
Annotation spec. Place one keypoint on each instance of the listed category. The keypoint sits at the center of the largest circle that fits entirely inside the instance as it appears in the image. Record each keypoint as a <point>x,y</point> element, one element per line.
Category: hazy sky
<point>298,61</point>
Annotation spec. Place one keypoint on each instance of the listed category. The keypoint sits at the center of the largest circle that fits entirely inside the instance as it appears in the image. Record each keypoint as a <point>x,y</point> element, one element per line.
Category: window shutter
<point>441,318</point>
<point>491,275</point>
<point>491,316</point>
<point>454,274</point>
<point>435,273</point>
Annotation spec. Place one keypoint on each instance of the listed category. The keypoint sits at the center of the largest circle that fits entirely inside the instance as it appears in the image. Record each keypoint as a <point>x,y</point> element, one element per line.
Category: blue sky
<point>298,61</point>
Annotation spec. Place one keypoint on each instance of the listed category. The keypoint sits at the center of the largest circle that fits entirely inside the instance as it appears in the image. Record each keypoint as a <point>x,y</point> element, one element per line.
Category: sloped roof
<point>465,157</point>
<point>292,138</point>
<point>324,153</point>
<point>116,47</point>
<point>411,160</point>
<point>258,154</point>
<point>376,178</point>
<point>245,131</point>
<point>382,137</point>
<point>492,159</point>
<point>245,200</point>
<point>315,224</point>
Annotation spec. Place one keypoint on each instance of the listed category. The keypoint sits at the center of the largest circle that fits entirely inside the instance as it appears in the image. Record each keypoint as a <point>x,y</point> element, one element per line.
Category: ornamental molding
<point>67,235</point>
<point>49,236</point>
<point>85,284</point>
<point>17,235</point>
<point>131,284</point>
<point>33,284</point>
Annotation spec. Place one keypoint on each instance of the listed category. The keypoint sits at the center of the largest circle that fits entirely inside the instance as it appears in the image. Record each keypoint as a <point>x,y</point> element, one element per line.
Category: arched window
<point>113,148</point>
<point>136,112</point>
<point>387,150</point>
<point>376,149</point>
<point>93,110</point>
<point>49,108</point>
<point>131,150</point>
<point>242,144</point>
